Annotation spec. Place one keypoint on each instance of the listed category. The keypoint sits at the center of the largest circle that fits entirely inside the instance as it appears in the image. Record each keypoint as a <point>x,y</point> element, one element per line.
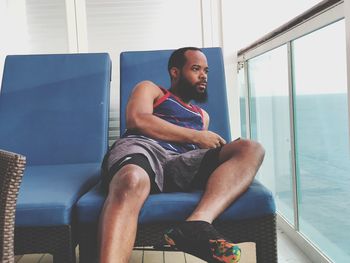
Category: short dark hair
<point>178,59</point>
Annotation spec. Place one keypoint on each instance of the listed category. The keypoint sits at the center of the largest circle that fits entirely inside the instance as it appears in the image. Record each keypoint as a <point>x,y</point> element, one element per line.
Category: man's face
<point>192,83</point>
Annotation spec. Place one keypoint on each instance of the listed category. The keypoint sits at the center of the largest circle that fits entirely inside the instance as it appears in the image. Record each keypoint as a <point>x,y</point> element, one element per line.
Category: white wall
<point>12,29</point>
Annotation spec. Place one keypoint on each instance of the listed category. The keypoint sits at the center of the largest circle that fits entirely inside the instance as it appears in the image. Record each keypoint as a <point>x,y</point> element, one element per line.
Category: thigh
<point>131,151</point>
<point>207,166</point>
<point>190,170</point>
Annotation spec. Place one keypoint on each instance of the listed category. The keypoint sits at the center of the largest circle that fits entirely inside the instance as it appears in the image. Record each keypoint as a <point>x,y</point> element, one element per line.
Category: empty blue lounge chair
<point>54,110</point>
<point>250,218</point>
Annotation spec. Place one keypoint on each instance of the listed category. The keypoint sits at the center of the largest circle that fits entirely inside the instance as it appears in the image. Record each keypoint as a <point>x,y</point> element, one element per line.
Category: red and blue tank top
<point>172,109</point>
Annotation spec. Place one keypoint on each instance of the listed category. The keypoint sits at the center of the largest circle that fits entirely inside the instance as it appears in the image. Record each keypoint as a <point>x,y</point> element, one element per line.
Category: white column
<point>206,24</point>
<point>211,23</point>
<point>71,26</point>
<point>76,26</point>
<point>80,12</point>
<point>230,44</point>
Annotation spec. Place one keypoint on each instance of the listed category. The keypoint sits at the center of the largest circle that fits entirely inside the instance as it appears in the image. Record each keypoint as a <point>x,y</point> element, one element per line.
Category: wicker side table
<point>11,172</point>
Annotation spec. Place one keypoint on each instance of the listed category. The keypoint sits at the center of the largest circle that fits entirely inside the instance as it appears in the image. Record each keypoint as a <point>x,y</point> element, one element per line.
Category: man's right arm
<point>139,116</point>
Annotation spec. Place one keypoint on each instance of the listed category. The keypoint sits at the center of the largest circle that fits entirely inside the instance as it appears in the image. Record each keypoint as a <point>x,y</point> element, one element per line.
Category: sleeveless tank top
<point>172,109</point>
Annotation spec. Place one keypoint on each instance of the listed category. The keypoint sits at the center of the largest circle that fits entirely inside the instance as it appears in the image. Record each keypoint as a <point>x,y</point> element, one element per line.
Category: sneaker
<point>203,241</point>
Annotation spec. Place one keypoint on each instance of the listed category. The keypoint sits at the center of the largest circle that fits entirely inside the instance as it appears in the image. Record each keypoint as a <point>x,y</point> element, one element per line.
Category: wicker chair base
<point>57,241</point>
<point>262,231</point>
<point>11,172</point>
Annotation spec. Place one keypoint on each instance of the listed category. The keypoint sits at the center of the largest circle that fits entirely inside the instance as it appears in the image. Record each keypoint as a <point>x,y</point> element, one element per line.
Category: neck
<point>174,90</point>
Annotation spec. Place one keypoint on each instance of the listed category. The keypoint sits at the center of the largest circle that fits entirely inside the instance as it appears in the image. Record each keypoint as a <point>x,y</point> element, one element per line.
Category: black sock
<point>199,230</point>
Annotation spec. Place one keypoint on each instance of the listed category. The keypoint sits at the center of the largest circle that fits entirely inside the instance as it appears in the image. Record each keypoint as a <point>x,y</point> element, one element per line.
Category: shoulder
<point>147,84</point>
<point>148,87</point>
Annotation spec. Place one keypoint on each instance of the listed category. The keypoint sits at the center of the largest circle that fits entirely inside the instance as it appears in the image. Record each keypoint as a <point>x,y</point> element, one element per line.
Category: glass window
<point>242,102</point>
<point>322,144</point>
<point>270,123</point>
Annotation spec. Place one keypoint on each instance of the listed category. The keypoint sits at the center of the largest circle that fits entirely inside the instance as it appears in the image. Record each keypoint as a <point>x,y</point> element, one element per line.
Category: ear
<point>174,72</point>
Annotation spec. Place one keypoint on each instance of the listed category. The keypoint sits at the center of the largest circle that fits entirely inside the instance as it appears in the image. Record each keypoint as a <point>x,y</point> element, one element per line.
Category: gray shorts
<point>171,171</point>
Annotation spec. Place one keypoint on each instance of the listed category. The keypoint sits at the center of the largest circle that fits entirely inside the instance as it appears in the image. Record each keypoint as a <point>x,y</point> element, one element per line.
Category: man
<point>167,147</point>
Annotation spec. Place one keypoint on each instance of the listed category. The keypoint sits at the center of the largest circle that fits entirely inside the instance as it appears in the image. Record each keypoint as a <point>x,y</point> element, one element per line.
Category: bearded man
<point>167,147</point>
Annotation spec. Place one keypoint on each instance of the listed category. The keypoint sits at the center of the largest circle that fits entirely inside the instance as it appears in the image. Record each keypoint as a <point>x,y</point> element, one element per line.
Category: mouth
<point>202,86</point>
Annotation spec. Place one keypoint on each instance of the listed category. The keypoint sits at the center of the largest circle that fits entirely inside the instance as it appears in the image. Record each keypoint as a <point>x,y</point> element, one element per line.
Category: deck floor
<point>141,256</point>
<point>288,252</point>
<point>138,256</point>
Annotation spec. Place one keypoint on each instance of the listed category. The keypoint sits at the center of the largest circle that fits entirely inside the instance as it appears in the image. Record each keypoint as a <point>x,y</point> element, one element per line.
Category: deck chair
<point>11,172</point>
<point>54,110</point>
<point>250,218</point>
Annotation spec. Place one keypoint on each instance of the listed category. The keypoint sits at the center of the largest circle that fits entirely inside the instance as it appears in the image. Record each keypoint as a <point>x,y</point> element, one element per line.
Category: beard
<point>188,91</point>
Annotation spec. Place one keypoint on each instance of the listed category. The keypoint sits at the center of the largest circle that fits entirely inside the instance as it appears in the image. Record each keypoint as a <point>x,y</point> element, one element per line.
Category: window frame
<point>331,14</point>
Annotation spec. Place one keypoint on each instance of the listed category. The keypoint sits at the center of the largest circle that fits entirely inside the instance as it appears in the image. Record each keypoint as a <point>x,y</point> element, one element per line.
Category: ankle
<point>200,217</point>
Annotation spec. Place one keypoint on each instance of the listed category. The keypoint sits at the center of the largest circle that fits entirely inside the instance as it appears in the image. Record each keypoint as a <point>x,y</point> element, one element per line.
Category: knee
<point>250,148</point>
<point>253,147</point>
<point>129,181</point>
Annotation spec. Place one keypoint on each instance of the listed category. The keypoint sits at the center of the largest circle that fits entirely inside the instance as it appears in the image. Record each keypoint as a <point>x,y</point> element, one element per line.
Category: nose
<point>203,75</point>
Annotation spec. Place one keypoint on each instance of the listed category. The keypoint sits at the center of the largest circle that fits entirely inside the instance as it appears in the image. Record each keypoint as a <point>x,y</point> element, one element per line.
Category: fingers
<point>222,141</point>
<point>211,140</point>
<point>218,141</point>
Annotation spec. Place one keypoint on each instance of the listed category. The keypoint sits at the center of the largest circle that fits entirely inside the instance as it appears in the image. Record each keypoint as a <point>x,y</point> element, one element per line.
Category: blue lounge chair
<point>54,110</point>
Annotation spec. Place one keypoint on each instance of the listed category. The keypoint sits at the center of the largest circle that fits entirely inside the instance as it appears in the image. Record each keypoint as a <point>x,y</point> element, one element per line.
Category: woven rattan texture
<point>262,231</point>
<point>57,241</point>
<point>11,172</point>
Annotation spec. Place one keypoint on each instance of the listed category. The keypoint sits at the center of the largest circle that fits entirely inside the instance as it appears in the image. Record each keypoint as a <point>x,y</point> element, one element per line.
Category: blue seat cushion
<point>257,201</point>
<point>48,193</point>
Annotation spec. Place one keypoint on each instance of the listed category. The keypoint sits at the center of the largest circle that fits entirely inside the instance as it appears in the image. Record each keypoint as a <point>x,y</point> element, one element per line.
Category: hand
<point>209,139</point>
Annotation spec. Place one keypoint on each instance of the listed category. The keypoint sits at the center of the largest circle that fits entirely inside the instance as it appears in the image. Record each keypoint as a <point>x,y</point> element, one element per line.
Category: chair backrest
<point>136,66</point>
<point>54,108</point>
